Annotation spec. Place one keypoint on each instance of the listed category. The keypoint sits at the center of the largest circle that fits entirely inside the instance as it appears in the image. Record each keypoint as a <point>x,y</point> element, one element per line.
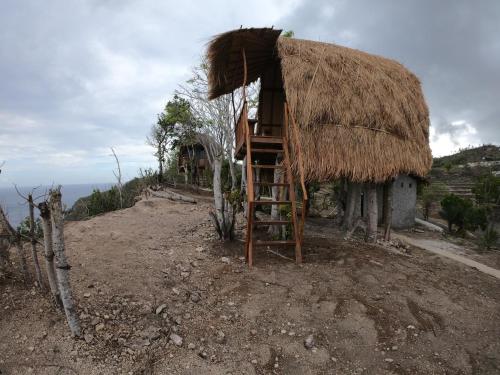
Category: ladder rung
<point>266,150</point>
<point>267,166</point>
<point>273,243</point>
<point>271,202</point>
<point>266,139</point>
<point>272,183</point>
<point>272,222</point>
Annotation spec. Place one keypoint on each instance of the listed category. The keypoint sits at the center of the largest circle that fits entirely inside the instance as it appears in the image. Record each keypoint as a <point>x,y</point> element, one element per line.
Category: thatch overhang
<point>359,116</point>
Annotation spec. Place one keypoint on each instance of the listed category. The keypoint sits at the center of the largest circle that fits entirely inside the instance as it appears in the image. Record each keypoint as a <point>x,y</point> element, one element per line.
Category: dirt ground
<point>148,276</point>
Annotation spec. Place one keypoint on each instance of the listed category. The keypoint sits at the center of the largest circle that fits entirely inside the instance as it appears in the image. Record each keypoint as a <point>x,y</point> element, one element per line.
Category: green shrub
<point>24,227</point>
<point>462,213</point>
<point>103,201</point>
<point>489,239</point>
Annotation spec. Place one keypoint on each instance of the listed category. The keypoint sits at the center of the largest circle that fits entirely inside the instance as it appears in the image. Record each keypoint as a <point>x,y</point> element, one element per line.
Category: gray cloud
<point>78,77</point>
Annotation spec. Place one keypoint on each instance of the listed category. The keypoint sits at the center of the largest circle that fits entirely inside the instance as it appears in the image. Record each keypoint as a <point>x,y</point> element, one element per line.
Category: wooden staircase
<point>270,153</point>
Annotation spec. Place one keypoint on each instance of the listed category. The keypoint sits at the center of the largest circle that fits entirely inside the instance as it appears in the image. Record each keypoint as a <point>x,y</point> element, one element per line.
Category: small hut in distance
<point>325,112</point>
<point>192,162</point>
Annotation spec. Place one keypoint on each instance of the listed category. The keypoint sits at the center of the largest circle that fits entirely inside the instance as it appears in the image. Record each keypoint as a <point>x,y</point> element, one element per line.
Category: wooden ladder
<point>266,150</point>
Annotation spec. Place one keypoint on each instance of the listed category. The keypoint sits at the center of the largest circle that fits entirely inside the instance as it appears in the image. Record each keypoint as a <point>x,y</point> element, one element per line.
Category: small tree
<point>462,213</point>
<point>431,194</point>
<point>453,210</point>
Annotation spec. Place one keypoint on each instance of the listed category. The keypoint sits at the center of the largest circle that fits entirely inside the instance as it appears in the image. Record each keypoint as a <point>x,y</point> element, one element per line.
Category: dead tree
<point>387,209</point>
<point>372,213</point>
<point>118,176</point>
<point>62,266</point>
<point>49,252</point>
<point>33,241</point>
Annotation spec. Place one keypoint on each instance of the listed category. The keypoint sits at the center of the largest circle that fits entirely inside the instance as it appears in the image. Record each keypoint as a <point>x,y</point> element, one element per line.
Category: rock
<point>390,360</point>
<point>152,333</point>
<point>203,355</point>
<point>394,348</point>
<point>31,348</point>
<point>99,327</point>
<point>160,308</point>
<point>195,297</point>
<point>254,361</point>
<point>200,249</point>
<point>220,338</point>
<point>253,332</point>
<point>411,326</point>
<point>88,338</point>
<point>309,342</point>
<point>176,291</point>
<point>86,295</point>
<point>191,346</point>
<point>225,260</point>
<point>176,339</point>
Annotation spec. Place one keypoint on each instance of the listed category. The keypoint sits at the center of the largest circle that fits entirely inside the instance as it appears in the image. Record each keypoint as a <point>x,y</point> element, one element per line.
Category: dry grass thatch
<point>360,116</point>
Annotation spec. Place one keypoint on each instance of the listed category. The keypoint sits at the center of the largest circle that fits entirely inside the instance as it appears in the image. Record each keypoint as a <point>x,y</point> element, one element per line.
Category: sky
<point>78,77</point>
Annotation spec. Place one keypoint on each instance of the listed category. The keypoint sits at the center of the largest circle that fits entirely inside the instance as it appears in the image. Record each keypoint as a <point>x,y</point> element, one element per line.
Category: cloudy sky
<point>78,77</point>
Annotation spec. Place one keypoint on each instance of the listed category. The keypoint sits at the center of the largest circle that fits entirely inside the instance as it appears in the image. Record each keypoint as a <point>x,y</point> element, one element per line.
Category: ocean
<point>16,209</point>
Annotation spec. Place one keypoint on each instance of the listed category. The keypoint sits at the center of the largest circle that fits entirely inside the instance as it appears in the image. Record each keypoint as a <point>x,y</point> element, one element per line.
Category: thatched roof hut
<point>360,116</point>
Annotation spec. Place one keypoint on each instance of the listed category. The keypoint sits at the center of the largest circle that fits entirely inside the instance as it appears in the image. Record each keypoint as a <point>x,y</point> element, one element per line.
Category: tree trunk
<point>387,213</point>
<point>160,172</point>
<point>372,213</point>
<point>257,186</point>
<point>352,204</point>
<point>224,216</point>
<point>232,171</point>
<point>34,254</point>
<point>243,188</point>
<point>160,164</point>
<point>218,198</point>
<point>275,190</point>
<point>49,253</point>
<point>62,266</point>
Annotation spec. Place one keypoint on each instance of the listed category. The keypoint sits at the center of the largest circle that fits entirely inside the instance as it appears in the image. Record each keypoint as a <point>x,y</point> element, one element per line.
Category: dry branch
<point>33,241</point>
<point>167,194</point>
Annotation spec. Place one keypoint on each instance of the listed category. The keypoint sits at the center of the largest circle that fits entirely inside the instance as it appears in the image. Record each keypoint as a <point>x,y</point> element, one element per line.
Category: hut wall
<point>404,200</point>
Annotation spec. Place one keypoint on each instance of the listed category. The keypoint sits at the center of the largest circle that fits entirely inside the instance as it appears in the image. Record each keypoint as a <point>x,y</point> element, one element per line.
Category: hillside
<point>460,171</point>
<point>482,154</point>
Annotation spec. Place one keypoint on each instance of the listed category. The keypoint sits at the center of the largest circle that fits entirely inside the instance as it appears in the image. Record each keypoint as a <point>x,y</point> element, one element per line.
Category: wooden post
<point>34,254</point>
<point>387,209</point>
<point>49,253</point>
<point>372,213</point>
<point>62,266</point>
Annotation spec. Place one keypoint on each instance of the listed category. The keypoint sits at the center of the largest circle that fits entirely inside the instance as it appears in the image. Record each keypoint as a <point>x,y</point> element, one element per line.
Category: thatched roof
<point>360,116</point>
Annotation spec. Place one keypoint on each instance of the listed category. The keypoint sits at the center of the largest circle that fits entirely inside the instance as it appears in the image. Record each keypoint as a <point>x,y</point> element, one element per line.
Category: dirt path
<point>145,273</point>
<point>450,251</point>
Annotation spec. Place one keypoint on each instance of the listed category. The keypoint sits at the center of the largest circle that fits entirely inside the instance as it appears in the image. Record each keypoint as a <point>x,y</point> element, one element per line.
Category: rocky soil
<point>158,294</point>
